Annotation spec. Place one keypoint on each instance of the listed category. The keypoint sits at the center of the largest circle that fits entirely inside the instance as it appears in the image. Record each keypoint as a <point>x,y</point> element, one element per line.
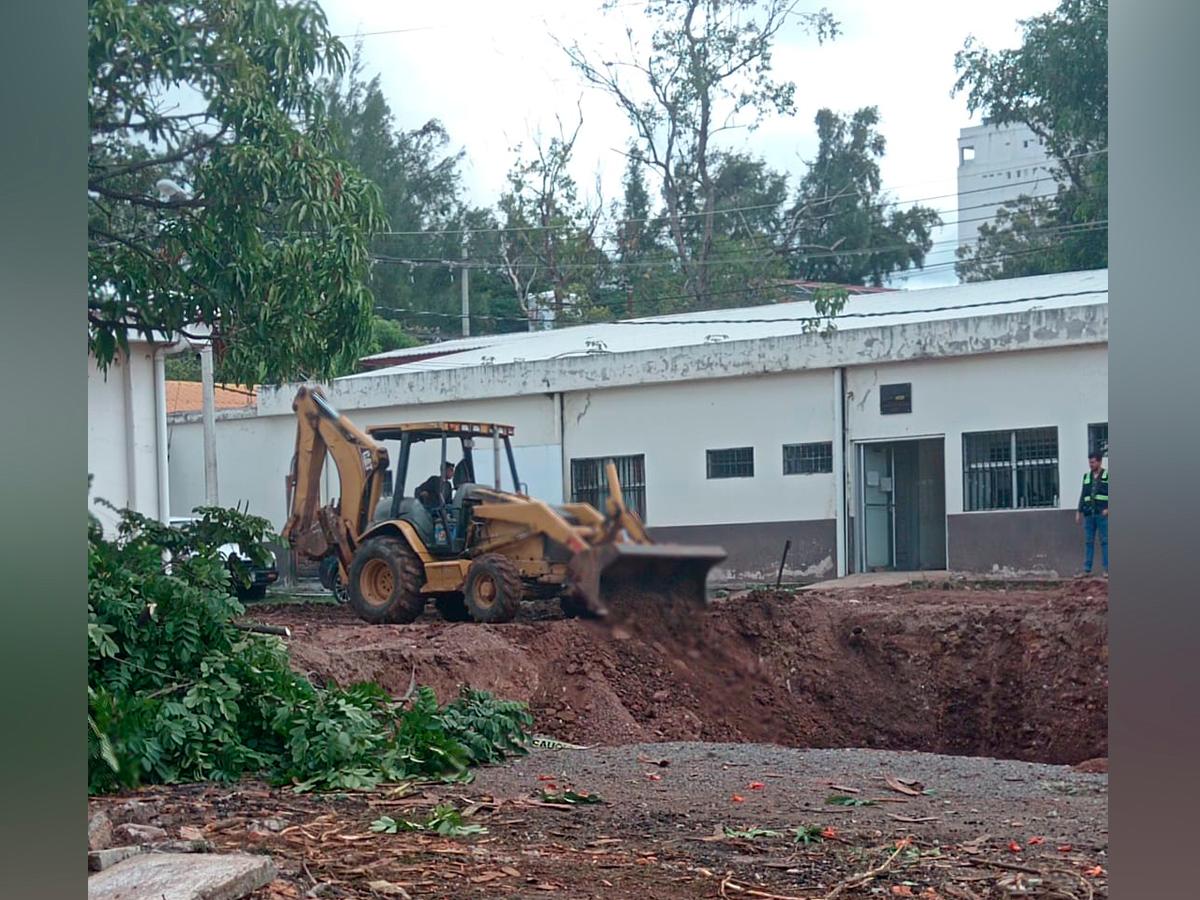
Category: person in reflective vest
<point>1093,512</point>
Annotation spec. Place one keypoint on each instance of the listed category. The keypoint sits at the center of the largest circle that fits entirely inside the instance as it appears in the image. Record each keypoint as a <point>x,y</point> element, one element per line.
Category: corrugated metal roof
<point>882,309</point>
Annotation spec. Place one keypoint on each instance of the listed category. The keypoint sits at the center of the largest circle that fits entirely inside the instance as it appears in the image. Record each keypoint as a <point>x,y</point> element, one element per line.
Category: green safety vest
<point>1099,499</point>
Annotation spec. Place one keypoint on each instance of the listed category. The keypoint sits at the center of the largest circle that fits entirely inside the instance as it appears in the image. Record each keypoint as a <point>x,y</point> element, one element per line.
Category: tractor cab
<point>442,524</point>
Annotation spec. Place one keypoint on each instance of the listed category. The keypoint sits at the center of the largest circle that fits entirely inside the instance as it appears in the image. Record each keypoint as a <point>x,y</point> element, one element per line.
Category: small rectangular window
<point>734,462</point>
<point>895,398</point>
<point>1098,438</point>
<point>808,459</point>
<point>1010,469</point>
<point>966,154</point>
<point>589,483</point>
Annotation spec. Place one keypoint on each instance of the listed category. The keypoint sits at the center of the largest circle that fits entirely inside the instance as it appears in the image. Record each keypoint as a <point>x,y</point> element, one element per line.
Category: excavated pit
<point>974,670</point>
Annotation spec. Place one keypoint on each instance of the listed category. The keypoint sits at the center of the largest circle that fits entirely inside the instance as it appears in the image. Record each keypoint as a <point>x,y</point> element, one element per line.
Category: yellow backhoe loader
<point>475,549</point>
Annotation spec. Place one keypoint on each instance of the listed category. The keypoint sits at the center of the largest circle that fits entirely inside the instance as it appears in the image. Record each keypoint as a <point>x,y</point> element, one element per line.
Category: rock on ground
<point>100,832</point>
<point>131,833</point>
<point>171,876</point>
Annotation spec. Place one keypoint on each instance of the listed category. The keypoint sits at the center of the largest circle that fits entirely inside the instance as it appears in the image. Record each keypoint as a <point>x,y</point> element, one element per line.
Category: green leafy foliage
<point>387,334</point>
<point>706,69</point>
<point>1056,83</point>
<point>807,834</point>
<point>750,834</point>
<point>265,242</point>
<point>570,797</point>
<point>445,820</point>
<point>843,800</point>
<point>548,251</point>
<point>847,230</point>
<point>419,176</point>
<point>176,693</point>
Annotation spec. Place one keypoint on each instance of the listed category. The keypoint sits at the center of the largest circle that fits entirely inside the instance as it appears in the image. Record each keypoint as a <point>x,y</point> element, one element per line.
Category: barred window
<point>590,485</point>
<point>1010,469</point>
<point>1098,438</point>
<point>734,462</point>
<point>808,459</point>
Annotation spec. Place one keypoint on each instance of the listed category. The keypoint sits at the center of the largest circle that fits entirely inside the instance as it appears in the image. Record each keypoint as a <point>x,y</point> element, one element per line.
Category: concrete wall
<point>254,452</point>
<point>997,372</point>
<point>1008,161</point>
<point>122,447</point>
<point>1066,388</point>
<point>674,424</point>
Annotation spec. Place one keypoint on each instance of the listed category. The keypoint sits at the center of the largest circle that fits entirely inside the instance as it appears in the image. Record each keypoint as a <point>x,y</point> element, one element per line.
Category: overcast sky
<point>493,74</point>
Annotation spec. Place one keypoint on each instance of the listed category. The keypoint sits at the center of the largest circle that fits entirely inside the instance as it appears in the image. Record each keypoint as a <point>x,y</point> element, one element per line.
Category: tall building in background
<point>996,165</point>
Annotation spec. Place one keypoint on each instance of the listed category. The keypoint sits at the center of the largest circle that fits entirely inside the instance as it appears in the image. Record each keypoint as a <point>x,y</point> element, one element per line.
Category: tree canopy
<point>706,70</point>
<point>215,197</point>
<point>847,231</point>
<point>1055,83</point>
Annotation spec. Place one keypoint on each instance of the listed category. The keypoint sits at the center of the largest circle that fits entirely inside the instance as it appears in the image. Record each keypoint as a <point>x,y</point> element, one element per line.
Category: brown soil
<point>979,830</point>
<point>1010,672</point>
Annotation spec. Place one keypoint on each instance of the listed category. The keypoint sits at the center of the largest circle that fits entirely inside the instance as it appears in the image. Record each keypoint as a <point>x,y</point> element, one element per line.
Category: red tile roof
<point>186,396</point>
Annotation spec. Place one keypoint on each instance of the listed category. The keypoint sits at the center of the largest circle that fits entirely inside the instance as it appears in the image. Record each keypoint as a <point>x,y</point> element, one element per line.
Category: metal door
<point>879,507</point>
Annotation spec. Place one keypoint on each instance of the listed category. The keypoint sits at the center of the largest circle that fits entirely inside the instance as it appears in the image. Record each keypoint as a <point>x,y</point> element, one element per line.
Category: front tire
<point>385,582</point>
<point>493,589</point>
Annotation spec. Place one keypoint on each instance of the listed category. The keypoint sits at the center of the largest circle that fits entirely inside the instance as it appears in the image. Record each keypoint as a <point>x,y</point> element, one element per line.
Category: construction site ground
<point>941,740</point>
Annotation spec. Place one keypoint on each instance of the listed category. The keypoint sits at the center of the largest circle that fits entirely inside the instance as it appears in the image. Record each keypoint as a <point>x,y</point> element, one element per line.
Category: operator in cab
<point>438,490</point>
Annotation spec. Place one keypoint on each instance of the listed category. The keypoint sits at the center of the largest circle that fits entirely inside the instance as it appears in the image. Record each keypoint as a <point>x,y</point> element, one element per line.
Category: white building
<point>941,428</point>
<point>996,165</point>
<point>127,433</point>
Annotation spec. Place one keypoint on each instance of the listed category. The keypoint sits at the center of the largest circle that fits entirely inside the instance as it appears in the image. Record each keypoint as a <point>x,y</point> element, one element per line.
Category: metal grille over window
<point>1098,438</point>
<point>808,459</point>
<point>590,485</point>
<point>1037,467</point>
<point>735,462</point>
<point>1010,469</point>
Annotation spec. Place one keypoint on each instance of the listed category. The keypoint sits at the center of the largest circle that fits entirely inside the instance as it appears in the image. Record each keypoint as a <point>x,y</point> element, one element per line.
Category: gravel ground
<point>987,829</point>
<point>968,796</point>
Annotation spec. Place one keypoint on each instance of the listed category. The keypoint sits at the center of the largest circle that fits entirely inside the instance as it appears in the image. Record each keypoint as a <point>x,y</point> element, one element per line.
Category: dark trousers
<point>1093,527</point>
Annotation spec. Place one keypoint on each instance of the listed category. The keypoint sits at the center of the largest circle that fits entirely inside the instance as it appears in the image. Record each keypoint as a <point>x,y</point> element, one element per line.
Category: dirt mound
<point>1018,674</point>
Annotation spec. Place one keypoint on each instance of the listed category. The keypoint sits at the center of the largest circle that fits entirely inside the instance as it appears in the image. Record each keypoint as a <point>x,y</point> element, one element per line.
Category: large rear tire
<point>493,589</point>
<point>385,582</point>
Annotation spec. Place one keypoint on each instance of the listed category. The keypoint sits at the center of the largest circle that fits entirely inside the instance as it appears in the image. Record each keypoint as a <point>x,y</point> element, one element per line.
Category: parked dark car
<point>260,576</point>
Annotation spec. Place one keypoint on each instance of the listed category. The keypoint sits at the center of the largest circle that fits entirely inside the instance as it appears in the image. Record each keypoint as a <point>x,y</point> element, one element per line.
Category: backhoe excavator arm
<point>360,461</point>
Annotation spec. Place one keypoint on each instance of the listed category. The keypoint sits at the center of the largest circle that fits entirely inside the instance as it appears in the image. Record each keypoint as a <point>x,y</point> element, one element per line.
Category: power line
<point>614,243</point>
<point>793,253</point>
<point>750,292</point>
<point>457,26</point>
<point>755,208</point>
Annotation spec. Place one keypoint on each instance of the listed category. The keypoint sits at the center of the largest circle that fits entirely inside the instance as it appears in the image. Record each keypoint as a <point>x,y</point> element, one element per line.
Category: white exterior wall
<point>254,452</point>
<point>673,424</point>
<point>122,447</point>
<point>1006,159</point>
<point>1066,388</point>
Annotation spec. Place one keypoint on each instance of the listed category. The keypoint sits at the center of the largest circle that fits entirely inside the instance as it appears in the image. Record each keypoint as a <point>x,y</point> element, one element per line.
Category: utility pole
<point>208,392</point>
<point>466,287</point>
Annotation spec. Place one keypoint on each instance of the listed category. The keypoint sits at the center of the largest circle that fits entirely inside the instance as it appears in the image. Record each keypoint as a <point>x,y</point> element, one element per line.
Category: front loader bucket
<point>620,580</point>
